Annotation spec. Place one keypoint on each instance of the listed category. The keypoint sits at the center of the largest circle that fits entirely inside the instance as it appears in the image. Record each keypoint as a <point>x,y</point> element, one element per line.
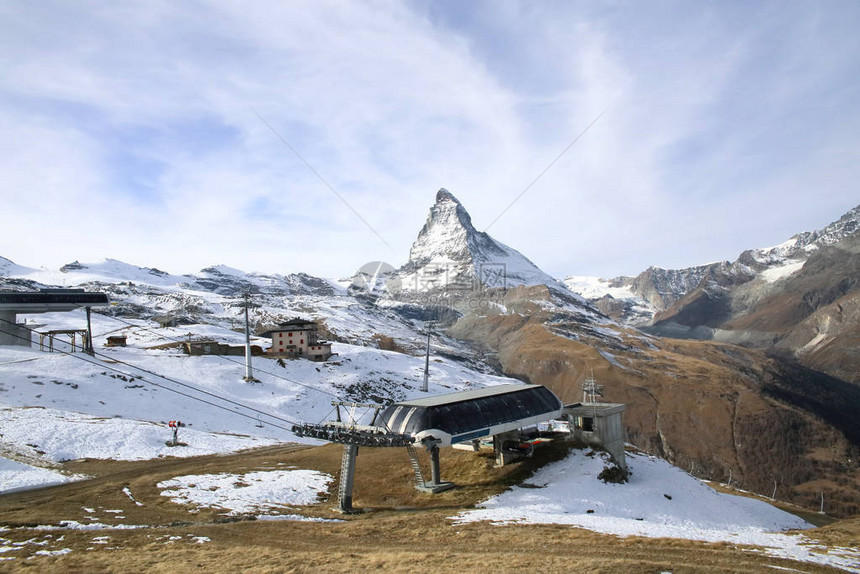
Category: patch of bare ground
<point>400,529</point>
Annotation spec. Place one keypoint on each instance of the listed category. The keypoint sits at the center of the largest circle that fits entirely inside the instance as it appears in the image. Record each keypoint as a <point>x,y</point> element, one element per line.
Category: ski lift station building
<point>470,415</point>
<point>14,303</point>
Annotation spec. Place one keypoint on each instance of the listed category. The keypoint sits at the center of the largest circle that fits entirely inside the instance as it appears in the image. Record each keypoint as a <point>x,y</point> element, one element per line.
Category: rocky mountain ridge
<point>636,300</point>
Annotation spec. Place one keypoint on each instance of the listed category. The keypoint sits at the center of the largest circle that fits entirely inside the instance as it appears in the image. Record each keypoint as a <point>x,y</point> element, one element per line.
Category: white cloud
<point>132,129</point>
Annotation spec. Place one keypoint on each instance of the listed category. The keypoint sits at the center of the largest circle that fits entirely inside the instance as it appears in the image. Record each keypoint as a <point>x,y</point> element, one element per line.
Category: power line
<point>166,378</point>
<point>322,179</point>
<point>546,169</point>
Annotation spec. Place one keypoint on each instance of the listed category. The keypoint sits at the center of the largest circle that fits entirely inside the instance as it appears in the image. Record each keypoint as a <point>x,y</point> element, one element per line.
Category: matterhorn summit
<point>450,253</point>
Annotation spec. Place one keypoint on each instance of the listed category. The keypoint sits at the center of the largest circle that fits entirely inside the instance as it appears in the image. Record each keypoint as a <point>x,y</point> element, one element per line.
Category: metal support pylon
<point>435,474</point>
<point>347,478</point>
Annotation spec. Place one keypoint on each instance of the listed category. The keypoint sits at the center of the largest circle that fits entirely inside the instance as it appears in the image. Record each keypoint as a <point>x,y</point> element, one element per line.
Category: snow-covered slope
<point>218,279</point>
<point>9,268</point>
<point>616,298</point>
<point>450,252</point>
<point>58,406</point>
<point>659,501</point>
<point>214,296</point>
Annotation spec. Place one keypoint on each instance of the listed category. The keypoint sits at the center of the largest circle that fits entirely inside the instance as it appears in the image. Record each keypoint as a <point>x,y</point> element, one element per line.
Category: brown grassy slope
<point>399,542</point>
<point>706,407</point>
<point>403,530</point>
<point>384,479</point>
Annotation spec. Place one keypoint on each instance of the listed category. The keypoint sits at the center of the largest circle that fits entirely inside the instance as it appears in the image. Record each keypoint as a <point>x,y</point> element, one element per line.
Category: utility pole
<point>89,346</point>
<point>427,359</point>
<point>249,375</point>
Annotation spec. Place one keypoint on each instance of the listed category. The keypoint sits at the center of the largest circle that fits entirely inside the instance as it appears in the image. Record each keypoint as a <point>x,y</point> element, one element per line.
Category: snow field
<point>56,406</point>
<point>299,391</point>
<point>57,436</point>
<point>19,476</point>
<point>781,271</point>
<point>267,492</point>
<point>659,501</point>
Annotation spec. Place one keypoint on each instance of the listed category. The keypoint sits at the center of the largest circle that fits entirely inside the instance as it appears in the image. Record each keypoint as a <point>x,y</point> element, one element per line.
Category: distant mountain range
<point>801,297</point>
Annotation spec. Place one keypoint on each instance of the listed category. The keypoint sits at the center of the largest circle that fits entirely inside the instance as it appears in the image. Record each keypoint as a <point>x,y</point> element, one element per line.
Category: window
<point>302,341</point>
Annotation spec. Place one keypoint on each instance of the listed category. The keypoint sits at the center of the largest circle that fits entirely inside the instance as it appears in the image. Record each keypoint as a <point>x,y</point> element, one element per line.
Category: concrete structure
<point>298,338</point>
<point>16,303</point>
<point>599,424</point>
<point>212,347</point>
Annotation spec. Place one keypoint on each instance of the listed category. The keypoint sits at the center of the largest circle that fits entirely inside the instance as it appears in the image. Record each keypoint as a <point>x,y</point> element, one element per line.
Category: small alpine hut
<point>298,338</point>
<point>599,424</point>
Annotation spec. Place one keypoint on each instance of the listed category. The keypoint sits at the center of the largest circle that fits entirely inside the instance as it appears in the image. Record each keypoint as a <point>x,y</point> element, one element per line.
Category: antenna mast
<point>591,390</point>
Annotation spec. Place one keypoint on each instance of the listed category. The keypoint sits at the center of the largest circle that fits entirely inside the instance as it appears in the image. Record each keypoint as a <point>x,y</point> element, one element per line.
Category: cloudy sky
<point>162,133</point>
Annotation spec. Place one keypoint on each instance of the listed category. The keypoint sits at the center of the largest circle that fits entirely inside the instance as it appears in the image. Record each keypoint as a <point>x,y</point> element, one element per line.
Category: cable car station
<point>433,422</point>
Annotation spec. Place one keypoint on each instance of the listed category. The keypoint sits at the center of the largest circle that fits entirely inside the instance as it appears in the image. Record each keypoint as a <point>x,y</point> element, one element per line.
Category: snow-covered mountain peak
<point>446,232</point>
<point>450,251</point>
<point>657,289</point>
<point>799,246</point>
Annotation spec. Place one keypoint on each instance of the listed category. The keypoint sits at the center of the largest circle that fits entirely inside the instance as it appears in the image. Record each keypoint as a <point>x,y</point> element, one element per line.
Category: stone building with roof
<point>298,338</point>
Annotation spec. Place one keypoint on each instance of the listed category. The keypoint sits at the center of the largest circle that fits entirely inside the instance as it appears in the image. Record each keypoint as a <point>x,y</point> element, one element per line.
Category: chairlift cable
<point>191,387</point>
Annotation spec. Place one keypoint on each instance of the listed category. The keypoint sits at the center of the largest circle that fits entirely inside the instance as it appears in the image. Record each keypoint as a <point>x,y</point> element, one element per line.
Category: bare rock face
<point>798,298</point>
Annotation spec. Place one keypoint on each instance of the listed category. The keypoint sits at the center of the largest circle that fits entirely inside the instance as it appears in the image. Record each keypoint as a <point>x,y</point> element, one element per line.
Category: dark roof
<point>296,321</point>
<point>594,409</point>
<point>51,300</point>
<point>470,411</point>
